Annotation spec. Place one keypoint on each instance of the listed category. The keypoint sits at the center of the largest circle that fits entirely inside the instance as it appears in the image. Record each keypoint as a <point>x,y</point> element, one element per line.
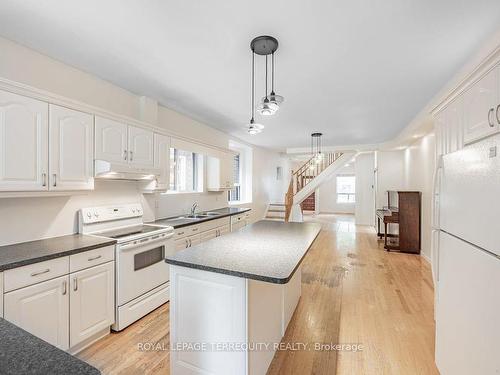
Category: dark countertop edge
<point>25,262</point>
<point>273,280</point>
<point>202,220</point>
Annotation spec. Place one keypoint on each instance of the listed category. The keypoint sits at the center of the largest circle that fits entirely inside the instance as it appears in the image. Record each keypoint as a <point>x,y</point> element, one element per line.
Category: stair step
<point>275,218</point>
<point>276,210</point>
<point>275,215</point>
<point>277,204</point>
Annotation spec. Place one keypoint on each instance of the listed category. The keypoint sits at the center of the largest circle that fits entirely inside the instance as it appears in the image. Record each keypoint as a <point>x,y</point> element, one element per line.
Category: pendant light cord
<point>266,77</point>
<point>253,84</point>
<point>272,73</point>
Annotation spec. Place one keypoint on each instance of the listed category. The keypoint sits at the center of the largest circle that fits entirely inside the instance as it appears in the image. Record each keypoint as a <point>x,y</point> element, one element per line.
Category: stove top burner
<point>128,231</point>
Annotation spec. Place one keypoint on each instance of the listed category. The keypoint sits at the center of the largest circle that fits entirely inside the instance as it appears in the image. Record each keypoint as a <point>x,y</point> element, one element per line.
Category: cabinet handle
<point>125,153</point>
<point>75,284</point>
<point>94,258</point>
<point>497,115</point>
<point>65,287</point>
<point>195,229</point>
<point>190,243</point>
<point>44,179</point>
<point>489,117</point>
<point>55,180</point>
<point>40,273</point>
<point>187,243</point>
<point>180,233</point>
<point>131,155</point>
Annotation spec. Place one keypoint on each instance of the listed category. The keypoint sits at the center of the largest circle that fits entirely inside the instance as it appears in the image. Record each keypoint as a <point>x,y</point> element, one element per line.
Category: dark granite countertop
<point>267,251</point>
<point>177,222</point>
<point>21,254</point>
<point>23,353</point>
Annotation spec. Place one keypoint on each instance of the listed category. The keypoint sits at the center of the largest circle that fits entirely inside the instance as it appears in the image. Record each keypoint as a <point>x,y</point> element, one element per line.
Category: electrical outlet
<point>493,151</point>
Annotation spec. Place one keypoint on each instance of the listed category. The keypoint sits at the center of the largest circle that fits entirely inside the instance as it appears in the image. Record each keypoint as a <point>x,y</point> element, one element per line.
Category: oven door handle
<point>137,243</point>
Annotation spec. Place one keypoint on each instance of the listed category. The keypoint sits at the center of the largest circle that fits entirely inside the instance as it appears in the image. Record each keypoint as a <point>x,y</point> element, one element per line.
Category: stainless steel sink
<point>195,216</point>
<point>212,213</point>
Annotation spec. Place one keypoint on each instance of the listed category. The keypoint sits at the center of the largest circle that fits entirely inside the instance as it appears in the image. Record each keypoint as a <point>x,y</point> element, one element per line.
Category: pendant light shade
<point>273,100</point>
<point>253,128</point>
<point>316,147</point>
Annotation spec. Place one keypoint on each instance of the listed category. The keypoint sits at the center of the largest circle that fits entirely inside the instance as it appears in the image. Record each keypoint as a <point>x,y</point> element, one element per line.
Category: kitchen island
<point>232,298</point>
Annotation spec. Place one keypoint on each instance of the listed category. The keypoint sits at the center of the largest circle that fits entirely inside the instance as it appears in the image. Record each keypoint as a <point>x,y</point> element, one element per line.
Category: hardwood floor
<point>353,292</point>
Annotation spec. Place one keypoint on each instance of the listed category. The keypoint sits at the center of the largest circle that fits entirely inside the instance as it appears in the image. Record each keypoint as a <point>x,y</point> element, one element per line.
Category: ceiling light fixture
<point>274,100</point>
<point>316,147</point>
<point>252,127</point>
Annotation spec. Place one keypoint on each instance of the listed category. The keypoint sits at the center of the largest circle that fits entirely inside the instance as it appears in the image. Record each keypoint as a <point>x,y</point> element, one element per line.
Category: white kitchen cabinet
<point>220,172</point>
<point>209,234</point>
<point>239,221</point>
<point>162,160</point>
<point>23,143</point>
<point>224,230</point>
<point>181,243</point>
<point>92,302</point>
<point>71,149</point>
<point>42,309</point>
<point>1,295</point>
<point>194,240</point>
<point>140,147</point>
<point>110,140</point>
<point>480,103</point>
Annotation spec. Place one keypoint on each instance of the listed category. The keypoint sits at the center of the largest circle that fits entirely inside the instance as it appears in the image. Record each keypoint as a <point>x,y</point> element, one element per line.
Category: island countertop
<point>268,251</point>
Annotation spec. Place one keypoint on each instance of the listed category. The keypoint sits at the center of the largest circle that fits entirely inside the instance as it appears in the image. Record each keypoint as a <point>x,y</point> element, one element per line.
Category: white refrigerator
<point>468,269</point>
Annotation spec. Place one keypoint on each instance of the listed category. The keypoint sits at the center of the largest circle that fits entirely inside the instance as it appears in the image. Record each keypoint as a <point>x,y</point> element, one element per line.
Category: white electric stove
<point>142,276</point>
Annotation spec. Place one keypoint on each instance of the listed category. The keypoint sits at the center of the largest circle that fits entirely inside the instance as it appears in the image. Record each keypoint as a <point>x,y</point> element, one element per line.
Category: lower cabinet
<point>67,310</point>
<point>42,309</point>
<point>91,302</point>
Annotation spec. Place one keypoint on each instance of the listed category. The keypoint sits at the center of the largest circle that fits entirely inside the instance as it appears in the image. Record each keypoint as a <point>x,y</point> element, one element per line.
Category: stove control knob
<point>133,210</point>
<point>96,214</point>
<point>89,215</point>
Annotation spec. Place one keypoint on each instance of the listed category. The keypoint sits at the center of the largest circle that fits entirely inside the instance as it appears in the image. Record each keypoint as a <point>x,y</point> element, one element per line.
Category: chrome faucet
<point>193,208</point>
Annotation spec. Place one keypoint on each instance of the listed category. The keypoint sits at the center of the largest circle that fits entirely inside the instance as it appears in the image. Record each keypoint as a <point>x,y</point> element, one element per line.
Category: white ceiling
<point>356,70</point>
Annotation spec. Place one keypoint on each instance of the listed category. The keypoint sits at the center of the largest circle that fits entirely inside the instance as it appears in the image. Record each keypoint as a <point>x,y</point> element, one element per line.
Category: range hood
<point>117,171</point>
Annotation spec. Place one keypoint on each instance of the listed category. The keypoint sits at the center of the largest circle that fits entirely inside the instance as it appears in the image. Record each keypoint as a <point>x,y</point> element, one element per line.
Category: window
<point>346,188</point>
<point>242,169</point>
<point>234,195</point>
<point>186,171</point>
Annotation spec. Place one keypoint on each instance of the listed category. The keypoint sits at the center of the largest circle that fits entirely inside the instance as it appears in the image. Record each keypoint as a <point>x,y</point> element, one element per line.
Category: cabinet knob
<point>125,153</point>
<point>54,176</point>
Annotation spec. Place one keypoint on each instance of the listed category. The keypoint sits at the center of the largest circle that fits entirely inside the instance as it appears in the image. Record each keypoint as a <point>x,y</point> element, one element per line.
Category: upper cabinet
<point>140,147</point>
<point>110,140</point>
<point>162,160</point>
<point>220,172</point>
<point>481,116</point>
<point>71,149</point>
<point>121,143</point>
<point>23,143</point>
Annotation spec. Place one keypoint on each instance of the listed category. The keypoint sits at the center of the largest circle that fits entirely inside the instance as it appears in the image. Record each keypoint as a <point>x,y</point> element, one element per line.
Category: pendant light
<point>253,128</point>
<point>274,100</point>
<point>316,147</point>
<point>265,108</point>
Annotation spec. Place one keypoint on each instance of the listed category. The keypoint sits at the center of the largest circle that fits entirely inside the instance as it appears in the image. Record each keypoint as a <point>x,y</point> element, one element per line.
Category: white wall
<point>419,160</point>
<point>25,219</point>
<point>365,193</point>
<point>390,174</point>
<point>326,201</point>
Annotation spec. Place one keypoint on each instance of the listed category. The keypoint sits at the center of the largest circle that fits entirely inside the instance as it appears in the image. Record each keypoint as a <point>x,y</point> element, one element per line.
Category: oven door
<point>141,267</point>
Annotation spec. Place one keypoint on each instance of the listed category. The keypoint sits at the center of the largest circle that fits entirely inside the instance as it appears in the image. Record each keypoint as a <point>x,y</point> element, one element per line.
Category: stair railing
<point>305,174</point>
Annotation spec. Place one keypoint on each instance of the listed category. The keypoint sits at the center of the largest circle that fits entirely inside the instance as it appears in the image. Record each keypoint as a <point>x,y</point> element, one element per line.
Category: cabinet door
<point>42,310</point>
<point>194,240</point>
<point>110,140</point>
<point>223,230</point>
<point>480,102</point>
<point>140,147</point>
<point>238,225</point>
<point>227,171</point>
<point>209,234</point>
<point>92,301</point>
<point>23,143</point>
<point>181,243</point>
<point>162,159</point>
<point>71,140</point>
<point>1,295</point>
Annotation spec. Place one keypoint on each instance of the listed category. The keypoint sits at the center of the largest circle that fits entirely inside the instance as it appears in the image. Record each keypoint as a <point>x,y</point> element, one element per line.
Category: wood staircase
<point>305,175</point>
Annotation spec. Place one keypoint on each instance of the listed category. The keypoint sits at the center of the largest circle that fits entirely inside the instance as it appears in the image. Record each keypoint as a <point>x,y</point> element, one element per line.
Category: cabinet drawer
<point>34,273</point>
<point>91,258</point>
<point>187,231</point>
<point>237,218</point>
<point>212,224</point>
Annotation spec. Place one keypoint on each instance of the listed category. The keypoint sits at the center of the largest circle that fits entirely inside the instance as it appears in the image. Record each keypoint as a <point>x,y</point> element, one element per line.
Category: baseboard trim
<point>426,257</point>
